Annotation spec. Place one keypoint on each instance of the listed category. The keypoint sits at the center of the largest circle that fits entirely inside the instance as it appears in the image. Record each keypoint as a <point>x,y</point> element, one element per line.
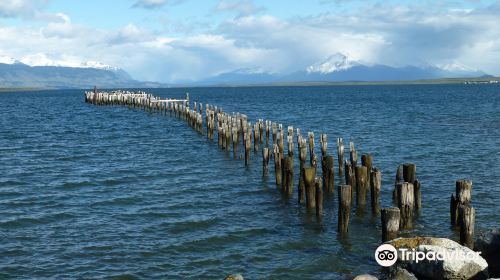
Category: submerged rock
<point>365,277</point>
<point>399,273</point>
<point>447,259</point>
<point>488,243</point>
<point>234,277</point>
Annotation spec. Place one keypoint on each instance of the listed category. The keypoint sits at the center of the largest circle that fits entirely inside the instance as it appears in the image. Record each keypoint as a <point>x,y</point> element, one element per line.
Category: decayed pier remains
<point>356,178</point>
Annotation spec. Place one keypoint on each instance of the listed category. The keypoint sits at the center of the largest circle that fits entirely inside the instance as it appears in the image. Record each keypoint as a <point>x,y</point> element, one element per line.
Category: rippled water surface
<point>102,192</point>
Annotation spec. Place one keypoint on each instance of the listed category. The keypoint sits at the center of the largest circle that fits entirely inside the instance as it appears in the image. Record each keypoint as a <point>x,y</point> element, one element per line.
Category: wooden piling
<point>312,155</point>
<point>309,176</point>
<point>340,154</point>
<point>319,197</point>
<point>248,144</point>
<point>409,172</point>
<point>463,193</point>
<point>395,195</point>
<point>406,204</point>
<point>467,220</point>
<point>367,160</point>
<point>344,208</point>
<point>277,165</point>
<point>361,186</point>
<point>350,178</point>
<point>328,174</point>
<point>265,161</point>
<point>390,218</point>
<point>418,194</point>
<point>375,186</point>
<point>302,159</point>
<point>287,176</point>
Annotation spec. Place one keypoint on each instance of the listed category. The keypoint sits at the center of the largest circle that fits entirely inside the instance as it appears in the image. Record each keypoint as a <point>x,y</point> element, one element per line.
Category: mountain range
<point>14,73</point>
<point>338,67</point>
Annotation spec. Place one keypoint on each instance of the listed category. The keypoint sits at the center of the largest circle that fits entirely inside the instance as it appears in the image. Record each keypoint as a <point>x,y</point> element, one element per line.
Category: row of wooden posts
<point>357,180</point>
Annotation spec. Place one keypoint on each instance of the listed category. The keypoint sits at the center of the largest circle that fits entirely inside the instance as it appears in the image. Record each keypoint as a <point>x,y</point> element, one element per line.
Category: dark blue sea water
<point>103,192</point>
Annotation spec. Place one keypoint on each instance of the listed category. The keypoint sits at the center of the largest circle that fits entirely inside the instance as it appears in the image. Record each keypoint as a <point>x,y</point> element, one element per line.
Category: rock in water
<point>234,277</point>
<point>365,277</point>
<point>466,265</point>
<point>488,242</point>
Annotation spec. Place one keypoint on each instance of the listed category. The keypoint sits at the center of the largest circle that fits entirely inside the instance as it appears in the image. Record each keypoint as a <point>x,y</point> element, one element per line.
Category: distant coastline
<point>479,80</point>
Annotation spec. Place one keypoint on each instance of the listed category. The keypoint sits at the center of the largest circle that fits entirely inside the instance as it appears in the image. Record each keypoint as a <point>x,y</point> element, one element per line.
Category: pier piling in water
<point>309,177</point>
<point>319,197</point>
<point>340,154</point>
<point>375,186</point>
<point>265,161</point>
<point>344,208</point>
<point>406,204</point>
<point>390,218</point>
<point>361,185</point>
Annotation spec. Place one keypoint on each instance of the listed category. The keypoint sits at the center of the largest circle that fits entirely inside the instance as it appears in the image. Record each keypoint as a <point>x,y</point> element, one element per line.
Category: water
<point>103,192</point>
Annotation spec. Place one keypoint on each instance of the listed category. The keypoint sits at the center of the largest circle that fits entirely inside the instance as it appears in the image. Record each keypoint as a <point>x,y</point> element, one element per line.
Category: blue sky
<point>183,40</point>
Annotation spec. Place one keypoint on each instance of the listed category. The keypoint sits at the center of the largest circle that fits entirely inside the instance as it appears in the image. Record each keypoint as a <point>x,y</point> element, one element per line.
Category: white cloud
<point>394,35</point>
<point>21,8</point>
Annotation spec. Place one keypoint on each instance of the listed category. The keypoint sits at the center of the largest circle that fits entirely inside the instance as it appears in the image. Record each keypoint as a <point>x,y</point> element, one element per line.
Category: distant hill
<point>17,74</point>
<point>340,68</point>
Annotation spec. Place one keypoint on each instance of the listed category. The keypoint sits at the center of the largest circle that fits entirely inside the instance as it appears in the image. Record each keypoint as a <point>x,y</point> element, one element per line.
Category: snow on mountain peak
<point>250,71</point>
<point>98,65</point>
<point>456,67</point>
<point>41,59</point>
<point>335,62</point>
<point>8,60</point>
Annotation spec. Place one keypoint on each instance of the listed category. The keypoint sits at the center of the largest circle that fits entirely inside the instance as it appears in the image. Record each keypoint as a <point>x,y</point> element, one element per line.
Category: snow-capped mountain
<point>335,62</point>
<point>340,68</point>
<point>40,71</point>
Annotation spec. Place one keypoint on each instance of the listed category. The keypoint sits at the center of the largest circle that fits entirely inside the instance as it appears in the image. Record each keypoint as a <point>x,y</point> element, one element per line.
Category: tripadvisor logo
<point>387,255</point>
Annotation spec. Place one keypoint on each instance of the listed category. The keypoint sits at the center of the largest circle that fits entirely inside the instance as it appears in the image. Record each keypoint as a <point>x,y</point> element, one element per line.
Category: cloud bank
<point>387,34</point>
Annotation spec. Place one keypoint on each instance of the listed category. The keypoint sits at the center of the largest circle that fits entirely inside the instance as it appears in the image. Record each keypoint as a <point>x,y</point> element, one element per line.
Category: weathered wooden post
<point>467,219</point>
<point>228,136</point>
<point>375,185</point>
<point>418,194</point>
<point>302,159</point>
<point>319,197</point>
<point>367,160</point>
<point>406,204</point>
<point>248,144</point>
<point>340,153</point>
<point>309,176</point>
<point>277,164</point>
<point>236,140</point>
<point>261,129</point>
<point>275,132</point>
<point>312,155</point>
<point>349,178</point>
<point>329,175</point>
<point>395,195</point>
<point>353,155</point>
<point>409,172</point>
<point>361,185</point>
<point>463,193</point>
<point>256,137</point>
<point>265,161</point>
<point>288,167</point>
<point>390,218</point>
<point>268,126</point>
<point>344,208</point>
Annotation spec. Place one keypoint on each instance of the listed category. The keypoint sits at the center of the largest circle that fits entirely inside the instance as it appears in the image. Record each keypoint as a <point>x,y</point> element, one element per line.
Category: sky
<point>188,40</point>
